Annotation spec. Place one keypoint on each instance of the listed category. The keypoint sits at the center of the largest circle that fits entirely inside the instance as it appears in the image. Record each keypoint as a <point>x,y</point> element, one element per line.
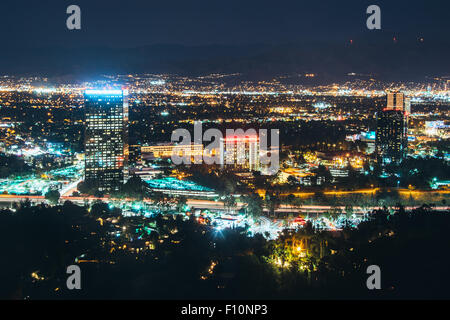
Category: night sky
<point>132,23</point>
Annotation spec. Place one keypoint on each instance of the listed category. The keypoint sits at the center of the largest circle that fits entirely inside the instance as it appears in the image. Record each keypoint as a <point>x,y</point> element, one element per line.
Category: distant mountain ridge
<point>384,59</point>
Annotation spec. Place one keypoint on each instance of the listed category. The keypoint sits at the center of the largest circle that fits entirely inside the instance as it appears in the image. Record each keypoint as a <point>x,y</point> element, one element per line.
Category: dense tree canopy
<point>186,259</point>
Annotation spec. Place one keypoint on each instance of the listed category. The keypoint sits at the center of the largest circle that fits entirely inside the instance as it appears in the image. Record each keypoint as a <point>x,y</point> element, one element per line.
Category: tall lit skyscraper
<point>241,151</point>
<point>106,138</point>
<point>398,101</point>
<point>392,129</point>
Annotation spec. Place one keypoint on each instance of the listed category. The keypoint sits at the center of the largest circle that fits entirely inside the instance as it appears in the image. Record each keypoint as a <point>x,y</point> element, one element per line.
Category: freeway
<point>212,205</point>
<point>217,205</point>
<point>365,191</point>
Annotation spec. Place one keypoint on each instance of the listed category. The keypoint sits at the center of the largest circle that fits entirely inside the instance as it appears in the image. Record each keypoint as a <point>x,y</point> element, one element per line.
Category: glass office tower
<point>106,138</point>
<point>392,129</point>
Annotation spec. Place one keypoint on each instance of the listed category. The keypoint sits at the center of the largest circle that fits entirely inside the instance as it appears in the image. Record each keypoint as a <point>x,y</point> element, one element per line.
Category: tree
<point>87,187</point>
<point>11,164</point>
<point>284,157</point>
<point>292,180</point>
<point>254,205</point>
<point>272,201</point>
<point>181,203</point>
<point>229,202</point>
<point>99,209</point>
<point>52,196</point>
<point>135,188</point>
<point>324,173</point>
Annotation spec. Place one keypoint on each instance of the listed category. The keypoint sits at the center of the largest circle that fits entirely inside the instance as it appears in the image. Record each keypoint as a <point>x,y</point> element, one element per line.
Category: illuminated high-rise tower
<point>106,138</point>
<point>240,151</point>
<point>392,129</point>
<point>398,101</point>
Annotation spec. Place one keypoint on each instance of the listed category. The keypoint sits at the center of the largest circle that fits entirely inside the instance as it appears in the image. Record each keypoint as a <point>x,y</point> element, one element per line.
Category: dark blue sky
<point>130,23</point>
